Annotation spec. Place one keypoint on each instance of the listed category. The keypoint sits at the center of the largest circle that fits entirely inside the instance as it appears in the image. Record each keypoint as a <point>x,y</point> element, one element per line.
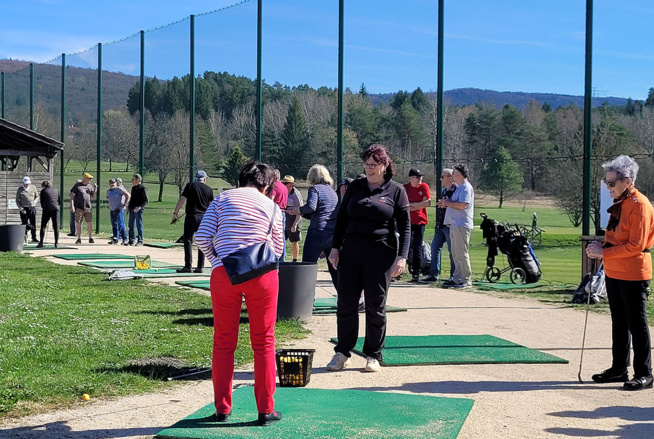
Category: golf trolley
<point>523,266</point>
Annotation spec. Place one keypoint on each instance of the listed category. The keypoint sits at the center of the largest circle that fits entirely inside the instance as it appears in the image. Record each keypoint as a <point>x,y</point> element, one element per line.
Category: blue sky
<point>504,45</point>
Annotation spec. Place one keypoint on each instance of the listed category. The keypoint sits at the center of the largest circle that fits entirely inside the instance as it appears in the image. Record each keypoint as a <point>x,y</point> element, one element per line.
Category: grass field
<point>66,331</point>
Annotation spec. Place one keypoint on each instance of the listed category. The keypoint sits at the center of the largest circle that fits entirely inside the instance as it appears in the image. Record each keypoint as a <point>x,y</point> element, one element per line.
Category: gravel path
<point>511,400</point>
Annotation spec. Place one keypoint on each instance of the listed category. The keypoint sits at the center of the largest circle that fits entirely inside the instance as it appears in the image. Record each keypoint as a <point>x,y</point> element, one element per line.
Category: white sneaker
<point>372,365</point>
<point>339,361</point>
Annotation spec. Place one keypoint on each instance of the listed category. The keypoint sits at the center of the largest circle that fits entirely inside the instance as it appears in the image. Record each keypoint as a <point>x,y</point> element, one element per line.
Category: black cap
<point>415,173</point>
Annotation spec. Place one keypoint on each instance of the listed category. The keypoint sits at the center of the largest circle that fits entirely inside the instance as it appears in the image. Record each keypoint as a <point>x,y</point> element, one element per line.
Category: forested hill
<point>82,82</point>
<point>471,96</point>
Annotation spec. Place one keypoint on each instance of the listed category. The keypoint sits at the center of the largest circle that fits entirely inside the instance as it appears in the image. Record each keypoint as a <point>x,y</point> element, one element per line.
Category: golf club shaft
<point>583,340</point>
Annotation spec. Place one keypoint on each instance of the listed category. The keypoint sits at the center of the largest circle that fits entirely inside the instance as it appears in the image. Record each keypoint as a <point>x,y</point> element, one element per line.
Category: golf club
<point>177,219</point>
<point>583,340</point>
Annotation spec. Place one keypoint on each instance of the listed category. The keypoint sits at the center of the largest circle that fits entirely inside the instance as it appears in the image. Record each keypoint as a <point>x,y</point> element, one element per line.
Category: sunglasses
<point>613,182</point>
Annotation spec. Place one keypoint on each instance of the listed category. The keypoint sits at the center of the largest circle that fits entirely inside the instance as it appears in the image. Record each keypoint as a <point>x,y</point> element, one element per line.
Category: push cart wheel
<point>492,274</point>
<point>518,276</point>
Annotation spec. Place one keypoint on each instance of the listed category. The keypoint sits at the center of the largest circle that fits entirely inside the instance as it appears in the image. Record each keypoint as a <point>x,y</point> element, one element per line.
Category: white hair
<point>624,167</point>
<point>448,171</point>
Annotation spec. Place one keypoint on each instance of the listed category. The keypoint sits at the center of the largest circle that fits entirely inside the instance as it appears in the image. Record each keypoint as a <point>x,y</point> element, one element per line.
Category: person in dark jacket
<point>197,196</point>
<point>367,252</point>
<point>50,202</point>
<point>137,202</point>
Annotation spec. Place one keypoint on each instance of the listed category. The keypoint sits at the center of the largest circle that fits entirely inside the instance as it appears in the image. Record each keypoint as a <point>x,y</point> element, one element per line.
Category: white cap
<point>26,180</point>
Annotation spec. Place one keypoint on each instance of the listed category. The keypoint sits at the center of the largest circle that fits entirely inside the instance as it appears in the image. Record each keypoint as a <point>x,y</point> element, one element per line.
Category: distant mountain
<point>471,96</point>
<point>81,94</point>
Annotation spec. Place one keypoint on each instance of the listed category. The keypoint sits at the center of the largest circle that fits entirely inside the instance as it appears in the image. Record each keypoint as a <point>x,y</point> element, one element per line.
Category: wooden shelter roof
<point>16,140</point>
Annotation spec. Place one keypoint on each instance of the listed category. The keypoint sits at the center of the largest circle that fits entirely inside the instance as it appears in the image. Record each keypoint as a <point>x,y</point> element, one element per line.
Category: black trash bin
<point>297,288</point>
<point>12,237</point>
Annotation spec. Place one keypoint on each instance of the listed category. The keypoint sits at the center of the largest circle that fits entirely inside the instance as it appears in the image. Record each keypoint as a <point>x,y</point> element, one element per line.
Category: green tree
<point>649,102</point>
<point>233,165</point>
<point>295,140</point>
<point>501,176</point>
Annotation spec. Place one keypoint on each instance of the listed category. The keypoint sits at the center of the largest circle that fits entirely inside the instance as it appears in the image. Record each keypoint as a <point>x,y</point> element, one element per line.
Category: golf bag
<point>511,242</point>
<point>425,259</point>
<point>593,284</point>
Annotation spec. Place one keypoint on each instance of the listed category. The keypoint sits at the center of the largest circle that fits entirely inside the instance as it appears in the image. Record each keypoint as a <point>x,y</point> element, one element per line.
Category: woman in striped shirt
<point>238,218</point>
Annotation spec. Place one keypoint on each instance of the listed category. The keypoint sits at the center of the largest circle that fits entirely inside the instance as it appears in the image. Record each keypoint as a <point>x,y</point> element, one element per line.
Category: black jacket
<point>139,197</point>
<point>50,199</point>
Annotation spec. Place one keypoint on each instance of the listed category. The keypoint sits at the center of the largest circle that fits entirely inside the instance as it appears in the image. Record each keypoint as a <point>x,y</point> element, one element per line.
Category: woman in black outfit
<point>367,253</point>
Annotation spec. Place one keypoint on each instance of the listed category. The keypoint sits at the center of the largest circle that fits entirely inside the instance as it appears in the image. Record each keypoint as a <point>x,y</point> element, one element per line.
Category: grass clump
<point>66,331</point>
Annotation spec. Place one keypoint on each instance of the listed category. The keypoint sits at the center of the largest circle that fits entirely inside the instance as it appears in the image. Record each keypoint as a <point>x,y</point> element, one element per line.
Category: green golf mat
<point>328,306</point>
<point>505,285</point>
<point>170,272</point>
<point>202,284</point>
<point>317,413</point>
<point>163,244</point>
<point>47,247</point>
<point>91,256</point>
<point>125,264</point>
<point>456,349</point>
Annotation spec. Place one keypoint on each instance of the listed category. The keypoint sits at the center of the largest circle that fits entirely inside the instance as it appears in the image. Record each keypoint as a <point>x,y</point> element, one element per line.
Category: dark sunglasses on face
<point>613,182</point>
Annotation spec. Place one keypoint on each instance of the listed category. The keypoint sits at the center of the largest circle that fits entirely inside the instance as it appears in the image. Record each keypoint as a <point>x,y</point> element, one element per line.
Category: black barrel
<point>297,288</point>
<point>12,237</point>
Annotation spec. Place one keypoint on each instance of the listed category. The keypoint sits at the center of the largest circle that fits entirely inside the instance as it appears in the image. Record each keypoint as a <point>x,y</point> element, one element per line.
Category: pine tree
<point>501,176</point>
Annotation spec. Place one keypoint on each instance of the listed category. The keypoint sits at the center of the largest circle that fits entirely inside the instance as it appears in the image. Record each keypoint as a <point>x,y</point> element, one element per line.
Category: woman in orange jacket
<point>628,270</point>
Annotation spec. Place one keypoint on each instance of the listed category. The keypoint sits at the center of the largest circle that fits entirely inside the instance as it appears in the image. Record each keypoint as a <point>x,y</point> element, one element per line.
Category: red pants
<point>261,300</point>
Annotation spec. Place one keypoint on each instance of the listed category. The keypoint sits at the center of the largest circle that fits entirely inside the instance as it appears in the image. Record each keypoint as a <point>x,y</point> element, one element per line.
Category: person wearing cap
<point>118,199</point>
<point>293,226</point>
<point>80,203</point>
<point>50,202</point>
<point>441,231</point>
<point>27,197</point>
<point>458,216</point>
<point>197,196</point>
<point>137,202</point>
<point>419,201</point>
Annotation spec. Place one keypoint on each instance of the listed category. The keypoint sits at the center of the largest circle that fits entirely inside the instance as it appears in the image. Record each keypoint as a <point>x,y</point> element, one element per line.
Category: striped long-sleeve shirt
<point>238,218</point>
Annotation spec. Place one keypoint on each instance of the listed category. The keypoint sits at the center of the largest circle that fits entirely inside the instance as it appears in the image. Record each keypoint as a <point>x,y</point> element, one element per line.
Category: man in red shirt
<point>419,201</point>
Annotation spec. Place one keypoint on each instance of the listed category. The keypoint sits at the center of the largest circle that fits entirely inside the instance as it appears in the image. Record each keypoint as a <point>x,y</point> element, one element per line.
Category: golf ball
<point>86,397</point>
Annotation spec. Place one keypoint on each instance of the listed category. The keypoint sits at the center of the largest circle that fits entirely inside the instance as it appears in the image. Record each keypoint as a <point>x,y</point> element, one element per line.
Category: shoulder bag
<point>252,261</point>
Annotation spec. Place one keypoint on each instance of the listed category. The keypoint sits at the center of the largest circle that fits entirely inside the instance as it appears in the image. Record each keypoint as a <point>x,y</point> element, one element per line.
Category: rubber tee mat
<point>202,284</point>
<point>456,349</point>
<point>163,244</point>
<point>316,413</point>
<point>328,306</point>
<point>124,264</point>
<point>31,247</point>
<point>92,256</point>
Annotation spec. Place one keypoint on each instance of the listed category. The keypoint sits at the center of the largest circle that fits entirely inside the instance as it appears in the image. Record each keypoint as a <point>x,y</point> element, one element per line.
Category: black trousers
<point>363,265</point>
<point>191,225</point>
<point>417,234</point>
<point>29,219</point>
<point>628,301</point>
<point>47,216</point>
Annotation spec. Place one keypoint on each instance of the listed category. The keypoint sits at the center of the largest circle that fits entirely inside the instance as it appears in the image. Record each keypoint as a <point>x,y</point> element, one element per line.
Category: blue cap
<point>200,175</point>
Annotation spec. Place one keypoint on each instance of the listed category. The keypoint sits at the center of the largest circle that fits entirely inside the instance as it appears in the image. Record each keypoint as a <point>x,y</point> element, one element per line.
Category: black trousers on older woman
<point>365,265</point>
<point>628,301</point>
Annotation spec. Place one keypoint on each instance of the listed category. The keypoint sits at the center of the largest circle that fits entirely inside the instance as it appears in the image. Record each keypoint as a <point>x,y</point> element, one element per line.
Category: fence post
<point>191,156</point>
<point>62,136</point>
<point>99,142</point>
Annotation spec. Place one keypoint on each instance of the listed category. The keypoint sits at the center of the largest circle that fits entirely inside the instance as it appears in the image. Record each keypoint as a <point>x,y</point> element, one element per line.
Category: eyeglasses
<point>370,165</point>
<point>613,182</point>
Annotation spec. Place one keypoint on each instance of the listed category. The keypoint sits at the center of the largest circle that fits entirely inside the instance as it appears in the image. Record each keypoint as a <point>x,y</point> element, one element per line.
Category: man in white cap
<point>197,195</point>
<point>27,197</point>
